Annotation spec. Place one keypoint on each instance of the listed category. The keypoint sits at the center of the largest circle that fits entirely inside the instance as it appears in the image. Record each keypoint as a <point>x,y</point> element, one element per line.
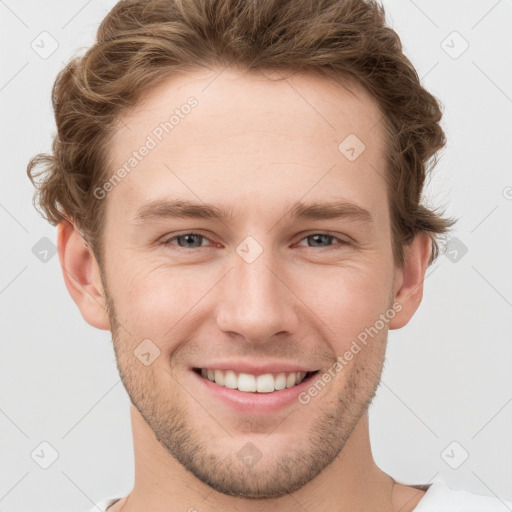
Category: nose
<point>256,301</point>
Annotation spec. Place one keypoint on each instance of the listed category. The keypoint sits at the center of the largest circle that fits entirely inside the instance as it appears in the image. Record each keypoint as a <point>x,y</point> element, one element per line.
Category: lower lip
<point>259,403</point>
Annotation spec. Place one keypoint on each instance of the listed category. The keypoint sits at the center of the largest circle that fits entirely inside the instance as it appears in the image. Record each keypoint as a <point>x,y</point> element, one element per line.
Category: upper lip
<point>256,369</point>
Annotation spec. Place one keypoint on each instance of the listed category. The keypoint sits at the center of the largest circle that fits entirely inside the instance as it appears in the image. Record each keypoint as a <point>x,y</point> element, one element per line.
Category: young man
<point>237,190</point>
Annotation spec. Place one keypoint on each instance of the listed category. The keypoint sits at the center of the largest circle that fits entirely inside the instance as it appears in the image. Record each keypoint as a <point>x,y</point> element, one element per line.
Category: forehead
<point>227,132</point>
<point>255,98</point>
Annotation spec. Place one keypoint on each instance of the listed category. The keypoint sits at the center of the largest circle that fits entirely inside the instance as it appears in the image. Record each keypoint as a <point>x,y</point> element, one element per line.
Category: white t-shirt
<point>438,498</point>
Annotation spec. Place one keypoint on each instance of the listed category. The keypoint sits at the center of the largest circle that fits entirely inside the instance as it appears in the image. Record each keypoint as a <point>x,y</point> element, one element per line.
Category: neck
<point>351,482</point>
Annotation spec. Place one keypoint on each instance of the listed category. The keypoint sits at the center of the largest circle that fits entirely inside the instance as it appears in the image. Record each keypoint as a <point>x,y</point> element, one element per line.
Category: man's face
<point>259,291</point>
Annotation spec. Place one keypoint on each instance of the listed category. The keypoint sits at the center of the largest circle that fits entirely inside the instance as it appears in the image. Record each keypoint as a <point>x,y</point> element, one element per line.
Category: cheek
<point>347,300</point>
<point>157,301</point>
<point>153,299</point>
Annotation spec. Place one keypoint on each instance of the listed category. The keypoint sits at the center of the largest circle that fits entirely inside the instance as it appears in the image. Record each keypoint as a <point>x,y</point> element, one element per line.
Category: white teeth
<point>246,382</point>
<point>290,380</point>
<point>280,382</point>
<point>230,380</point>
<point>266,383</point>
<point>219,377</point>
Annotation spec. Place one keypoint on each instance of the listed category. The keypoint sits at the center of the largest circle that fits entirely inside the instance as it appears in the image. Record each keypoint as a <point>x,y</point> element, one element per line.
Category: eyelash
<point>331,235</point>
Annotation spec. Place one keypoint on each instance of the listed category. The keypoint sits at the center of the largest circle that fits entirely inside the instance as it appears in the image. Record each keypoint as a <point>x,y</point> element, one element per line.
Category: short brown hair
<point>141,43</point>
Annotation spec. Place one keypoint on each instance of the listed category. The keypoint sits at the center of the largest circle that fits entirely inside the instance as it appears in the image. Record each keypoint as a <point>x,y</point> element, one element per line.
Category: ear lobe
<point>81,275</point>
<point>409,279</point>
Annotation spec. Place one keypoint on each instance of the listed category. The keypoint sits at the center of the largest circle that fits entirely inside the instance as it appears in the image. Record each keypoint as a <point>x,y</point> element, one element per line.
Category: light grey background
<point>447,377</point>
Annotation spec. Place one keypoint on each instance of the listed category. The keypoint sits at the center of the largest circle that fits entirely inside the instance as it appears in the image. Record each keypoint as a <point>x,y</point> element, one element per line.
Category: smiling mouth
<point>248,383</point>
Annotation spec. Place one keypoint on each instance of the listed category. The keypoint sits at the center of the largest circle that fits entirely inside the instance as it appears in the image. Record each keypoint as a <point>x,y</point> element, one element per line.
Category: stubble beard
<point>274,475</point>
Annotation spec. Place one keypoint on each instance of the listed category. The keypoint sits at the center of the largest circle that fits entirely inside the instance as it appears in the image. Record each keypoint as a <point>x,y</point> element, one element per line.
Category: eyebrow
<point>164,208</point>
<point>330,210</point>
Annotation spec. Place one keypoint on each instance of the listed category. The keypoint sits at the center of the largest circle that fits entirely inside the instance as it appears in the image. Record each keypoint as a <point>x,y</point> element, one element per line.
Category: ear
<point>82,275</point>
<point>408,285</point>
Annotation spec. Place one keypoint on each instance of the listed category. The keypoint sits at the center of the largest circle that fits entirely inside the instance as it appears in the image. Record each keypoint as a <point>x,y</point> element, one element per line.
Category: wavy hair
<point>141,43</point>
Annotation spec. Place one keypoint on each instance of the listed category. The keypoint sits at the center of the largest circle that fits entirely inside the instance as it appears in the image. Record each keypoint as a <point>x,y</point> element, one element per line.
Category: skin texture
<point>254,147</point>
